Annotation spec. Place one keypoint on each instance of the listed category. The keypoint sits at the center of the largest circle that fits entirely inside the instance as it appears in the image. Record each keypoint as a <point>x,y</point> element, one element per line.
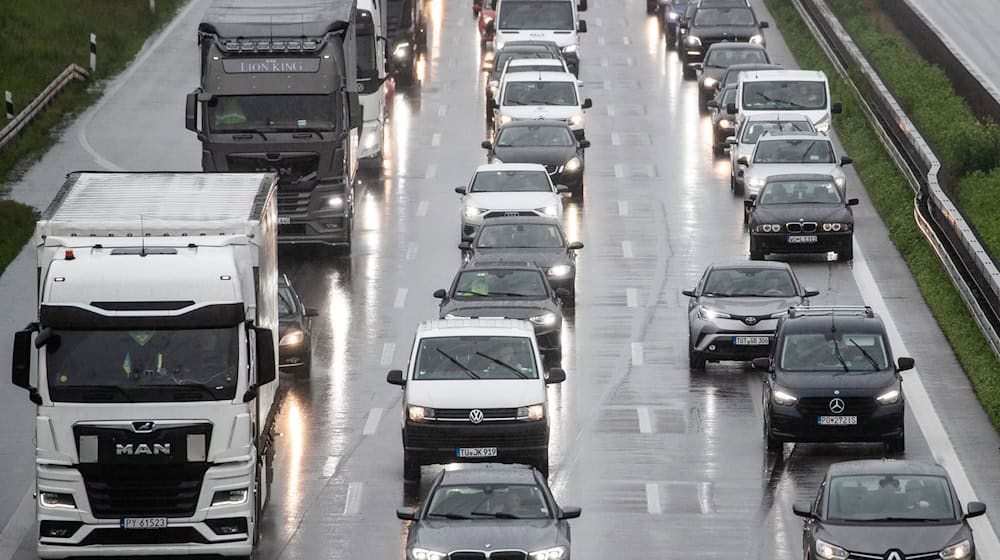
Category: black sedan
<point>528,238</point>
<point>723,124</point>
<point>800,214</point>
<point>489,511</point>
<point>294,330</point>
<point>549,143</point>
<point>709,25</point>
<point>495,66</point>
<point>718,58</point>
<point>671,13</point>
<point>889,510</point>
<point>511,290</point>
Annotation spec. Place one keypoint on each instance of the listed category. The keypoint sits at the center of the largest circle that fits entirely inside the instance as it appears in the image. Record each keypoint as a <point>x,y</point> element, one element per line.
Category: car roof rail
<point>824,310</point>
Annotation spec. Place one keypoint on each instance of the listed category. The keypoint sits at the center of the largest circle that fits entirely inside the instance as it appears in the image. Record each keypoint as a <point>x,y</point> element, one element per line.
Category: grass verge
<point>18,222</point>
<point>893,199</point>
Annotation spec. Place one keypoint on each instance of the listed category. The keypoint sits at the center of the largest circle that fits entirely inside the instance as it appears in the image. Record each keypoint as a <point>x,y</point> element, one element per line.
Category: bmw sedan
<point>734,309</point>
<point>891,510</point>
<point>489,511</point>
<point>548,143</point>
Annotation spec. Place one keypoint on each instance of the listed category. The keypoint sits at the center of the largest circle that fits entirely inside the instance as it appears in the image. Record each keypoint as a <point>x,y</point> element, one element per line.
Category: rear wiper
<point>503,364</point>
<point>449,515</point>
<point>840,357</point>
<point>866,354</point>
<point>452,359</point>
<point>498,515</point>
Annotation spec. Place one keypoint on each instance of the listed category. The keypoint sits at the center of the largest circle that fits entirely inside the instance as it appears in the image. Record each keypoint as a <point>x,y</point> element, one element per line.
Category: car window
<point>784,95</point>
<point>503,56</point>
<point>535,136</point>
<point>724,58</point>
<point>486,501</point>
<point>286,302</point>
<point>794,151</point>
<point>899,496</point>
<point>520,236</point>
<point>501,283</point>
<point>475,357</point>
<point>728,96</point>
<point>715,17</point>
<point>540,93</point>
<point>510,181</point>
<point>749,282</point>
<point>753,130</point>
<point>799,192</point>
<point>843,351</point>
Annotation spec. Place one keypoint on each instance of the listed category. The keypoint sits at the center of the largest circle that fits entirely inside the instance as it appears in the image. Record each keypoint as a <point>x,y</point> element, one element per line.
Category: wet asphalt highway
<point>664,462</point>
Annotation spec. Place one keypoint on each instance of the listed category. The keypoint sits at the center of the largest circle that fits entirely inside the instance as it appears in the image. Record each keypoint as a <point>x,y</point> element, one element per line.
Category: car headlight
<point>833,227</point>
<point>570,49</point>
<point>840,181</point>
<point>560,270</point>
<point>533,412</point>
<point>725,123</point>
<point>757,39</point>
<point>293,338</point>
<point>787,399</point>
<point>706,313</point>
<point>336,201</point>
<point>889,397</point>
<point>672,16</point>
<point>230,497</point>
<point>767,228</point>
<point>779,314</point>
<point>756,182</point>
<point>545,319</point>
<point>57,500</point>
<point>493,91</point>
<point>473,212</point>
<point>505,119</point>
<point>419,413</point>
<point>424,554</point>
<point>573,164</point>
<point>692,41</point>
<point>548,554</point>
<point>400,50</point>
<point>710,83</point>
<point>957,551</point>
<point>550,211</point>
<point>576,120</point>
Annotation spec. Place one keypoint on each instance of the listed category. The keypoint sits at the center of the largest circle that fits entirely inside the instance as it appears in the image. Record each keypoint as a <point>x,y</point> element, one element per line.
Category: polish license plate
<point>475,452</point>
<point>751,340</point>
<point>792,239</point>
<point>837,420</point>
<point>144,523</point>
<point>284,220</point>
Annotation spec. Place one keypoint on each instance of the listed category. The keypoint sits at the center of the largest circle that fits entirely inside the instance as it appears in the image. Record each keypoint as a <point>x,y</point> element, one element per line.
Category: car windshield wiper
<point>503,364</point>
<point>840,357</point>
<point>448,515</point>
<point>866,354</point>
<point>498,515</point>
<point>471,294</point>
<point>452,359</point>
<point>890,518</point>
<point>787,102</point>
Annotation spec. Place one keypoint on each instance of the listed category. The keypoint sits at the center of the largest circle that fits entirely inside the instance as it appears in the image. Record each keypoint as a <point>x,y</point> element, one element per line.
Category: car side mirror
<point>584,144</point>
<point>809,292</point>
<point>749,203</point>
<point>731,140</point>
<point>836,108</point>
<point>570,512</point>
<point>844,160</point>
<point>562,293</point>
<point>731,108</point>
<point>440,294</point>
<point>764,25</point>
<point>712,104</point>
<point>562,189</point>
<point>905,364</point>
<point>555,375</point>
<point>853,202</point>
<point>460,190</point>
<point>465,246</point>
<point>587,103</point>
<point>487,145</point>
<point>311,312</point>
<point>762,363</point>
<point>581,27</point>
<point>575,246</point>
<point>975,509</point>
<point>395,377</point>
<point>20,374</point>
<point>406,514</point>
<point>684,25</point>
<point>802,510</point>
<point>689,293</point>
<point>744,161</point>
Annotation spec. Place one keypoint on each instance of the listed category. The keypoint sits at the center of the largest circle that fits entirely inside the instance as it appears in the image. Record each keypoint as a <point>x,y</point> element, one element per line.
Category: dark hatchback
<point>801,214</point>
<point>718,58</point>
<point>891,510</point>
<point>549,143</point>
<point>716,24</point>
<point>671,14</point>
<point>831,377</point>
<point>723,124</point>
<point>491,510</point>
<point>509,290</point>
<point>511,51</point>
<point>535,239</point>
<point>294,330</point>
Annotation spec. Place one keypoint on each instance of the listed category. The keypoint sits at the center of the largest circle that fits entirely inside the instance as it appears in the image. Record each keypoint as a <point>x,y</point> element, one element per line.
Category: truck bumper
<point>322,215</point>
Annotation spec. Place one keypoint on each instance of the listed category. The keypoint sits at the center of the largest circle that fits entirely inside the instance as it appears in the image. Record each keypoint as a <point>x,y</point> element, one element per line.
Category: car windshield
<point>799,192</point>
<point>488,501</point>
<point>503,56</point>
<point>511,181</point>
<point>895,497</point>
<point>540,93</point>
<point>247,113</point>
<point>794,151</point>
<point>753,130</point>
<point>475,357</point>
<point>827,352</point>
<point>724,58</point>
<point>535,136</point>
<point>520,236</point>
<point>501,283</point>
<point>749,282</point>
<point>723,16</point>
<point>784,96</point>
<point>286,303</point>
<point>142,365</point>
<point>517,14</point>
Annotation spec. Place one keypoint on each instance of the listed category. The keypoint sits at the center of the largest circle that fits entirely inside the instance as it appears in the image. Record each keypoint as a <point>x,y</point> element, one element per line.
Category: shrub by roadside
<point>17,223</point>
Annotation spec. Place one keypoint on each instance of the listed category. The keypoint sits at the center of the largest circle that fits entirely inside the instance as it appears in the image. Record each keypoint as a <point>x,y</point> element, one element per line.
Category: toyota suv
<point>474,391</point>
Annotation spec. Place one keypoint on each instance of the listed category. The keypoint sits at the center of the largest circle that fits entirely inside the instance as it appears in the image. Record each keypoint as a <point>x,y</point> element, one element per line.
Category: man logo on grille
<point>476,416</point>
<point>837,405</point>
<point>142,426</point>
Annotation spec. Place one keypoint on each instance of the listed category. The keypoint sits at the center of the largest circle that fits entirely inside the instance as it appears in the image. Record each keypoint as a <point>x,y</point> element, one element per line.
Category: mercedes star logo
<point>894,555</point>
<point>142,426</point>
<point>837,405</point>
<point>476,416</point>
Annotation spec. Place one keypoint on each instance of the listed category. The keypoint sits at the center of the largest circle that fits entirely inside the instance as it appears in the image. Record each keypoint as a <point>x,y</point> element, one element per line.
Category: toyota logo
<point>894,555</point>
<point>837,406</point>
<point>476,416</point>
<point>750,320</point>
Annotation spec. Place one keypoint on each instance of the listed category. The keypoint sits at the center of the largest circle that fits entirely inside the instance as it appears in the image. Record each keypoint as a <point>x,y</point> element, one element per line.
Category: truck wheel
<point>411,468</point>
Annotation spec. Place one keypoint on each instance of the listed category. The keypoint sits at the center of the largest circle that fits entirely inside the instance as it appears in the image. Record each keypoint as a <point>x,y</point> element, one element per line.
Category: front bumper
<point>307,216</point>
<point>778,243</point>
<point>438,442</point>
<point>788,423</point>
<point>293,356</point>
<point>717,340</point>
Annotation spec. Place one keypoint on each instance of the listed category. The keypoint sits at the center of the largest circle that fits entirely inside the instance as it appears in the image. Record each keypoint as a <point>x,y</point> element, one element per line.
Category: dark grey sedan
<point>549,143</point>
<point>294,330</point>
<point>504,512</point>
<point>890,510</point>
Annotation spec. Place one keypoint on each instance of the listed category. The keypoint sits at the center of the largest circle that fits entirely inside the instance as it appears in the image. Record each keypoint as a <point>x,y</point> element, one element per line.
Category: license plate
<point>144,523</point>
<point>837,420</point>
<point>802,239</point>
<point>475,452</point>
<point>751,340</point>
<point>284,220</point>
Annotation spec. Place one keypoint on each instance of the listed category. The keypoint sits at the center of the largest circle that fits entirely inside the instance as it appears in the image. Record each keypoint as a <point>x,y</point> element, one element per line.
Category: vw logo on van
<point>476,416</point>
<point>837,405</point>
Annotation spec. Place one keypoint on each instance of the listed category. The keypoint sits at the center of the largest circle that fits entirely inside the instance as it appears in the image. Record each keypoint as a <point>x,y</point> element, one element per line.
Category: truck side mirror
<point>267,366</point>
<point>731,108</point>
<point>581,27</point>
<point>356,116</point>
<point>191,112</point>
<point>20,374</point>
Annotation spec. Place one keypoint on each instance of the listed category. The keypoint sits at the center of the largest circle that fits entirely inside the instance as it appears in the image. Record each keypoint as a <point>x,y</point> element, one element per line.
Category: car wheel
<point>411,467</point>
<point>695,360</point>
<point>689,73</point>
<point>756,253</point>
<point>846,254</point>
<point>773,444</point>
<point>896,445</point>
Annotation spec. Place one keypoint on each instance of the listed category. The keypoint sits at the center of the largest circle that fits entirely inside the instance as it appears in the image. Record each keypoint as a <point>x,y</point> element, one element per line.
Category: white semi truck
<point>156,377</point>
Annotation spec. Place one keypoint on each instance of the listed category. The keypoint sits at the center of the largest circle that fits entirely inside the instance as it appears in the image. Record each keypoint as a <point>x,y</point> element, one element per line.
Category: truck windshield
<point>515,15</point>
<point>242,113</point>
<point>143,365</point>
<point>784,96</point>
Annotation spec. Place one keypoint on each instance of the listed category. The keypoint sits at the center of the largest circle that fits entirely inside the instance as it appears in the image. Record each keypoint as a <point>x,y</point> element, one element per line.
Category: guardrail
<point>967,262</point>
<point>17,124</point>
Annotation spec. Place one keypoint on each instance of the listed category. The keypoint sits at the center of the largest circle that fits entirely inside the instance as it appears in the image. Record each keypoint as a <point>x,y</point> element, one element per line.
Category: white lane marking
<point>604,61</point>
<point>705,501</point>
<point>611,110</point>
<point>18,525</point>
<point>627,249</point>
<point>411,251</point>
<point>637,355</point>
<point>616,140</point>
<point>923,410</point>
<point>601,41</point>
<point>645,420</point>
<point>432,171</point>
<point>631,297</point>
<point>627,40</point>
<point>352,505</point>
<point>400,298</point>
<point>442,110</point>
<point>330,466</point>
<point>619,171</point>
<point>607,84</point>
<point>371,425</point>
<point>422,208</point>
<point>388,349</point>
<point>653,505</point>
<point>622,208</point>
<point>436,139</point>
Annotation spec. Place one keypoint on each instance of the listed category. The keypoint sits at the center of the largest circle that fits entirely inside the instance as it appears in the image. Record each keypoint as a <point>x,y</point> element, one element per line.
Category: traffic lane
<point>965,28</point>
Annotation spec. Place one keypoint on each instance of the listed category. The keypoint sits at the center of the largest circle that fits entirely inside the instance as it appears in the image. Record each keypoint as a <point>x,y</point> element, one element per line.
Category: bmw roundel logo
<point>837,405</point>
<point>476,416</point>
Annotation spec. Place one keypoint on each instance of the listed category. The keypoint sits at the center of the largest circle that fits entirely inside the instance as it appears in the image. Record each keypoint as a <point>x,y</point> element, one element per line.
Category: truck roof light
<point>231,45</point>
<point>295,45</point>
<point>69,254</point>
<point>308,45</point>
<point>263,45</point>
<point>247,45</point>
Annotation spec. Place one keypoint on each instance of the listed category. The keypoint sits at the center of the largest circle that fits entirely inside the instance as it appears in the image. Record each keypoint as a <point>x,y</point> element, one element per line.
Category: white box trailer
<point>156,355</point>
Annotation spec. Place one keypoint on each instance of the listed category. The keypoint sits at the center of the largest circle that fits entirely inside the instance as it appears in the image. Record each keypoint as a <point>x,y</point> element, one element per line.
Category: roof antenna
<point>142,237</point>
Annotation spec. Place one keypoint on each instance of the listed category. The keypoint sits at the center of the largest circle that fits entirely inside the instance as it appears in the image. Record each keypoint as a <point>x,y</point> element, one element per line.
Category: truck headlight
<point>957,551</point>
<point>692,41</point>
<point>827,551</point>
<point>889,397</point>
<point>545,319</point>
<point>573,164</point>
<point>336,201</point>
<point>555,553</point>
<point>560,270</point>
<point>424,554</point>
<point>401,50</point>
<point>550,211</point>
<point>757,39</point>
<point>293,338</point>
<point>533,412</point>
<point>568,49</point>
<point>57,500</point>
<point>787,399</point>
<point>230,497</point>
<point>473,212</point>
<point>419,413</point>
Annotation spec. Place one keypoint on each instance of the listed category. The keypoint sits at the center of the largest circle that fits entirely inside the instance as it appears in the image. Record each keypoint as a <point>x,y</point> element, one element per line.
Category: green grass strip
<point>17,222</point>
<point>893,199</point>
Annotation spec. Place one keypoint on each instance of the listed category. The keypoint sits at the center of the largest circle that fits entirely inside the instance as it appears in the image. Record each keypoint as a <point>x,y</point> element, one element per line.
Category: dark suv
<point>708,24</point>
<point>831,377</point>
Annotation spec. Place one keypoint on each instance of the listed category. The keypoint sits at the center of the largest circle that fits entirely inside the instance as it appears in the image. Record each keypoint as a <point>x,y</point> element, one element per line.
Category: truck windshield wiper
<point>114,388</point>
<point>234,132</point>
<point>453,360</point>
<point>840,357</point>
<point>448,515</point>
<point>498,515</point>
<point>503,364</point>
<point>184,386</point>
<point>866,354</point>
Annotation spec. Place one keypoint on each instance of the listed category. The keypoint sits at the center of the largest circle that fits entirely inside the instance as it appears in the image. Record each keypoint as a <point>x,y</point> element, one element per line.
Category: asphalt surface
<point>971,28</point>
<point>663,461</point>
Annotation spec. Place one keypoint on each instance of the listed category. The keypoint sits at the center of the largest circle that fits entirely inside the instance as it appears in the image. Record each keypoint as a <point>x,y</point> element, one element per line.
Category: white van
<point>541,95</point>
<point>805,92</point>
<point>473,391</point>
<point>542,20</point>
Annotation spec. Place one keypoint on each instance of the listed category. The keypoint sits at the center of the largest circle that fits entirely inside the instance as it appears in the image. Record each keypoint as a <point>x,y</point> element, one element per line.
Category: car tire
<point>896,445</point>
<point>696,362</point>
<point>771,443</point>
<point>738,186</point>
<point>732,182</point>
<point>411,468</point>
<point>846,255</point>
<point>689,73</point>
<point>671,41</point>
<point>578,191</point>
<point>756,253</point>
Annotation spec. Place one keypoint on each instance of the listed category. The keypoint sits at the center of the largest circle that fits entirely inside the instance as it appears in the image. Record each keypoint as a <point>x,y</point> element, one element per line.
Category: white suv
<point>499,190</point>
<point>473,391</point>
<point>541,95</point>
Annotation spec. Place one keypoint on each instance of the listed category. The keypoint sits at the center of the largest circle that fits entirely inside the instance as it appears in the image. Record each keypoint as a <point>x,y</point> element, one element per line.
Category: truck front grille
<point>143,490</point>
<point>298,170</point>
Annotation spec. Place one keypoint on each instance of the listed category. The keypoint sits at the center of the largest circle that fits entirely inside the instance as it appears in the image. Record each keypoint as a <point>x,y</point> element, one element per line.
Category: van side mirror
<point>809,292</point>
<point>584,144</point>
<point>853,202</point>
<point>689,293</point>
<point>555,375</point>
<point>570,512</point>
<point>440,293</point>
<point>460,190</point>
<point>764,25</point>
<point>587,103</point>
<point>395,377</point>
<point>20,374</point>
<point>267,365</point>
<point>581,27</point>
<point>904,364</point>
<point>406,514</point>
<point>975,509</point>
<point>836,108</point>
<point>762,363</point>
<point>744,161</point>
<point>191,112</point>
<point>844,160</point>
<point>575,246</point>
<point>487,145</point>
<point>581,6</point>
<point>731,108</point>
<point>802,510</point>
